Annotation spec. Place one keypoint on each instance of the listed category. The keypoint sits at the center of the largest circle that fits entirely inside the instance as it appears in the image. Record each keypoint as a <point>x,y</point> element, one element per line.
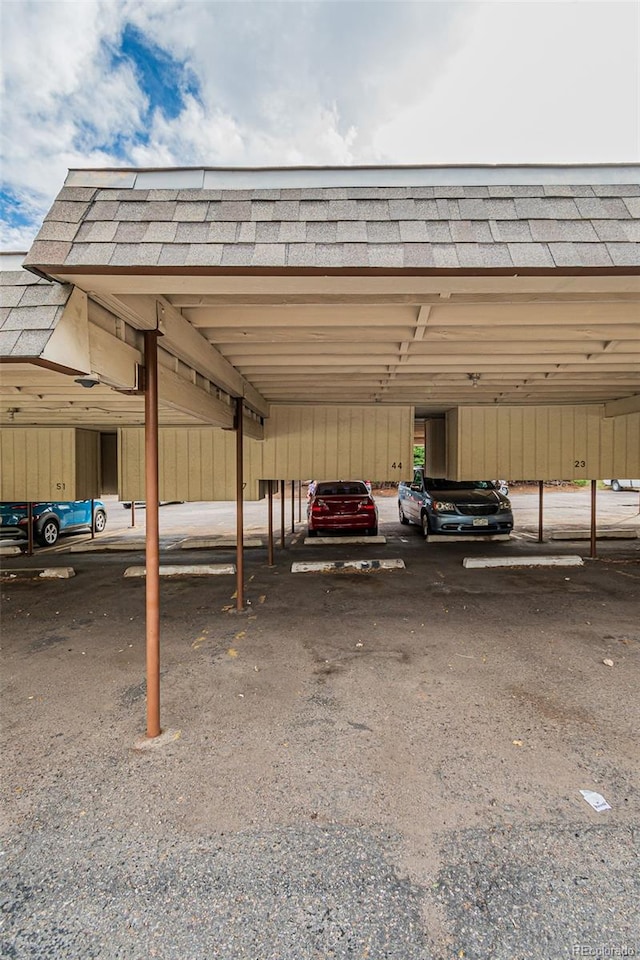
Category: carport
<point>319,313</point>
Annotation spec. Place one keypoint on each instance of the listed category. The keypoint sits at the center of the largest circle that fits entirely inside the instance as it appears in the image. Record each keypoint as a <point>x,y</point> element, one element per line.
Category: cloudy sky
<point>90,83</point>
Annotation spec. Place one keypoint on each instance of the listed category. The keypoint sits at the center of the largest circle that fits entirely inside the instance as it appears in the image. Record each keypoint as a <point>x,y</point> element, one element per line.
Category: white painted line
<point>10,551</point>
<point>187,570</point>
<point>569,561</point>
<point>333,540</point>
<point>57,573</point>
<point>346,566</point>
<point>461,538</point>
<point>630,534</point>
<point>202,543</point>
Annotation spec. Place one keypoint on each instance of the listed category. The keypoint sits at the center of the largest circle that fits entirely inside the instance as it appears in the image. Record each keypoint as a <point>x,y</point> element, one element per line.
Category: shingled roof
<point>151,221</point>
<point>30,309</point>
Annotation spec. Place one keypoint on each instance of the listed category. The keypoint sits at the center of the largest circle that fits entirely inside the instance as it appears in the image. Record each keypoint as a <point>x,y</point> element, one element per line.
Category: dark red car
<point>342,505</point>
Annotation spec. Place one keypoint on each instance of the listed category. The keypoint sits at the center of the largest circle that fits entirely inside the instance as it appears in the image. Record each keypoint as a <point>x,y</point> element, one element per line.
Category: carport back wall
<point>332,442</point>
<point>60,463</point>
<point>542,443</point>
<point>196,463</point>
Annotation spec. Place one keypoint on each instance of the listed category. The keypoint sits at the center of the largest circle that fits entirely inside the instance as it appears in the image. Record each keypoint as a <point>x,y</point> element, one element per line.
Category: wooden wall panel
<point>542,443</point>
<point>195,463</point>
<point>88,470</point>
<point>325,442</point>
<point>48,463</point>
<point>436,453</point>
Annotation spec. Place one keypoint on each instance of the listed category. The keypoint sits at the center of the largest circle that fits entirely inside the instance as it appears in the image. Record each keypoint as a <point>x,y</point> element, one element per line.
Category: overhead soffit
<point>387,337</point>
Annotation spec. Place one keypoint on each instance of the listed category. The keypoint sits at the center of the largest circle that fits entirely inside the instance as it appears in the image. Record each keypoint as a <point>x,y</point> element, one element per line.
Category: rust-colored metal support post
<point>593,520</point>
<point>540,510</point>
<point>93,519</point>
<point>133,513</point>
<point>299,501</point>
<point>282,514</point>
<point>270,538</point>
<point>152,531</point>
<point>30,529</point>
<point>239,507</point>
<point>293,506</point>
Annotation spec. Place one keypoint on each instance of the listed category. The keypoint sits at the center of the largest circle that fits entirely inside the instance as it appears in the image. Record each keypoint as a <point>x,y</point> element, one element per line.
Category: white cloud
<point>317,82</point>
<point>531,83</point>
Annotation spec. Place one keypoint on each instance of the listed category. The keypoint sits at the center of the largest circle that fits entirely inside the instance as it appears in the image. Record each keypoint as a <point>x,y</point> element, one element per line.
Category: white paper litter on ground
<point>596,800</point>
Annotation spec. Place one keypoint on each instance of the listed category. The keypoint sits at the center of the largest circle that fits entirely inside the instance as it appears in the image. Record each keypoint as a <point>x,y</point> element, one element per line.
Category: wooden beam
<point>618,408</point>
<point>183,341</point>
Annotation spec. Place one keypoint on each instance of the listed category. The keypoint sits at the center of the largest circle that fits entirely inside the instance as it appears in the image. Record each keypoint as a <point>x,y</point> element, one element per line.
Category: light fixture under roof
<point>474,377</point>
<point>88,380</point>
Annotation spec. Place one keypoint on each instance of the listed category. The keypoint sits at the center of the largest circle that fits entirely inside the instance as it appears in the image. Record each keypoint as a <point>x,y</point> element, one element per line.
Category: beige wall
<point>56,463</point>
<point>324,443</point>
<point>88,470</point>
<point>195,463</point>
<point>542,443</point>
<point>436,453</point>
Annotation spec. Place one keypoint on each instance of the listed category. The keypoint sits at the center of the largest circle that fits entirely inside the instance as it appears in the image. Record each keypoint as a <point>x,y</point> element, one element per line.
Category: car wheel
<point>100,521</point>
<point>403,519</point>
<point>48,534</point>
<point>424,522</point>
<point>615,486</point>
<point>312,533</point>
<point>373,531</point>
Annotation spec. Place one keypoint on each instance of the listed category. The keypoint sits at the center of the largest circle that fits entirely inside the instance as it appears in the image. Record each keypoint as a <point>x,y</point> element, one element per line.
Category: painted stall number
<point>396,466</point>
<point>61,486</point>
<point>579,463</point>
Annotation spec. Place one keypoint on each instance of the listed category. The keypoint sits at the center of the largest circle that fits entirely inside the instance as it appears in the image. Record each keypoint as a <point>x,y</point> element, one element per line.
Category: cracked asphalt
<point>362,766</point>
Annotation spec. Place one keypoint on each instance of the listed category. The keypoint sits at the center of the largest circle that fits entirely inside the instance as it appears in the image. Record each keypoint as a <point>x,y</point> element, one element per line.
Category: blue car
<point>51,519</point>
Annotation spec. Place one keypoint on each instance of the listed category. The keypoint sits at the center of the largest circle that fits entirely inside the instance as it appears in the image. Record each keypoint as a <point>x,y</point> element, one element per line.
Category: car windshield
<point>341,489</point>
<point>439,484</point>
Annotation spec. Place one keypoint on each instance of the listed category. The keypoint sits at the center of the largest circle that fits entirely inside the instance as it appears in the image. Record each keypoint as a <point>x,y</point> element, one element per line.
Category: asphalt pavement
<point>381,765</point>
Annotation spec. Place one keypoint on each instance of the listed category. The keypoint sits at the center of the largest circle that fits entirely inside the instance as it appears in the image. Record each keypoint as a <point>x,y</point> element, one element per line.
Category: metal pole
<point>540,509</point>
<point>93,519</point>
<point>293,506</point>
<point>30,529</point>
<point>299,501</point>
<point>425,447</point>
<point>593,519</point>
<point>152,531</point>
<point>282,514</point>
<point>239,508</point>
<point>133,513</point>
<point>270,539</point>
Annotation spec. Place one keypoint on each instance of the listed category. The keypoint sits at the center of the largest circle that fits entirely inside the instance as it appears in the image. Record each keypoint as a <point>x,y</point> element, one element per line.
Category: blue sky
<point>186,82</point>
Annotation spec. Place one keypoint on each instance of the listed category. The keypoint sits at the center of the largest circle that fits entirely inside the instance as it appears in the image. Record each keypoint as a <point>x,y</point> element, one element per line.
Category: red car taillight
<point>366,505</point>
<point>319,506</point>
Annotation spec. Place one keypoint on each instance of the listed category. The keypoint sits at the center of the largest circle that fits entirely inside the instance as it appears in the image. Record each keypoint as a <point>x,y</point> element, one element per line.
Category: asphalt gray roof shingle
<point>31,309</point>
<point>491,226</point>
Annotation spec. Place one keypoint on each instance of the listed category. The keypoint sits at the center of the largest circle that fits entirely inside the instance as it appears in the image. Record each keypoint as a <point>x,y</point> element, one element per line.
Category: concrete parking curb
<point>335,540</point>
<point>57,573</point>
<point>210,543</point>
<point>478,538</point>
<point>600,535</point>
<point>188,570</point>
<point>10,551</point>
<point>346,566</point>
<point>94,546</point>
<point>478,562</point>
<point>44,573</point>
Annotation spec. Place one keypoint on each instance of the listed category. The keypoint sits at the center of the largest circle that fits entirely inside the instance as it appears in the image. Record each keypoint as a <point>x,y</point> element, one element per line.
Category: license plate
<point>480,522</point>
